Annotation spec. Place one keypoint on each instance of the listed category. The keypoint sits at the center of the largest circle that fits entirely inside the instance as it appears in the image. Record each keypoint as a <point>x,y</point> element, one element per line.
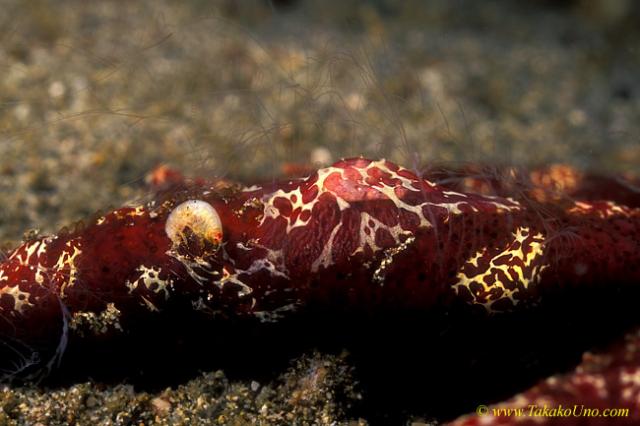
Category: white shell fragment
<point>197,215</point>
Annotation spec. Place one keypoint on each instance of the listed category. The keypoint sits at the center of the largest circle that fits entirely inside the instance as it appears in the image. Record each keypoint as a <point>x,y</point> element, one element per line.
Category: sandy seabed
<point>94,95</point>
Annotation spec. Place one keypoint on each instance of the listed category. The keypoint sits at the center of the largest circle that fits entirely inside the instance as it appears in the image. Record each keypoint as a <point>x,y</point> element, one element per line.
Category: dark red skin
<point>537,251</point>
<point>604,380</point>
<point>543,184</point>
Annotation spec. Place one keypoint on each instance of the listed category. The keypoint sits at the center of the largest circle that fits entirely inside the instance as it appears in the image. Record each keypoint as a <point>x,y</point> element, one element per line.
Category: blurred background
<point>94,95</point>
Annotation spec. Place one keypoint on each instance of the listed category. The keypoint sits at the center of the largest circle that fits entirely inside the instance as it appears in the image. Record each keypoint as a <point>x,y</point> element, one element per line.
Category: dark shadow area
<point>438,366</point>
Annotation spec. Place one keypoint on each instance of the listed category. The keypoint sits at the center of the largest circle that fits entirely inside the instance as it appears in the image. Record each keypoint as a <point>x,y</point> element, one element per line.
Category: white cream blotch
<point>199,216</point>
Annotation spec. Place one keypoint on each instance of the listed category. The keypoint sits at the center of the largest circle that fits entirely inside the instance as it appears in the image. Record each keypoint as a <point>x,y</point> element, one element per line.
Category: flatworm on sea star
<point>359,236</point>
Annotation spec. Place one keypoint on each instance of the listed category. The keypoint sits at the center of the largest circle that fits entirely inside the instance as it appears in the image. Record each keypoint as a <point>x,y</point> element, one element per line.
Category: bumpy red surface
<point>369,233</point>
<point>603,390</point>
